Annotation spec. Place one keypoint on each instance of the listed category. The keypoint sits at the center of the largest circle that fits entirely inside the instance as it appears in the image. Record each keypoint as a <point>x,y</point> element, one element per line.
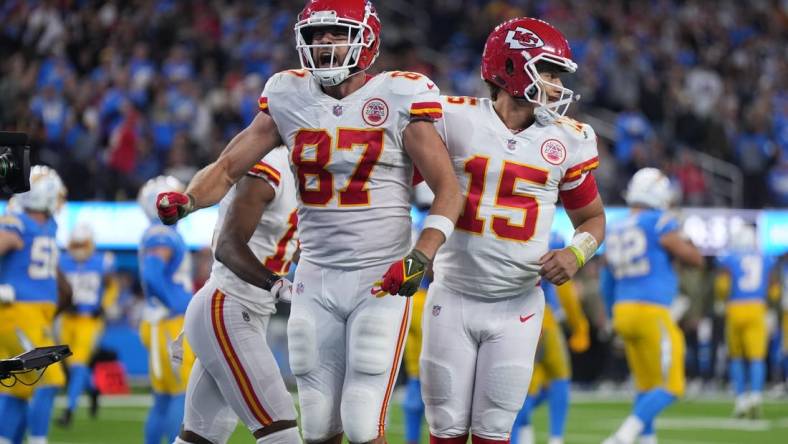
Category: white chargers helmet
<point>150,191</point>
<point>81,241</point>
<point>47,192</point>
<point>649,188</point>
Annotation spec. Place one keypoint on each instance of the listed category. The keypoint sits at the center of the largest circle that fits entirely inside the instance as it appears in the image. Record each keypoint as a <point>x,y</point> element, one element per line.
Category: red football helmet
<point>363,43</point>
<point>510,56</point>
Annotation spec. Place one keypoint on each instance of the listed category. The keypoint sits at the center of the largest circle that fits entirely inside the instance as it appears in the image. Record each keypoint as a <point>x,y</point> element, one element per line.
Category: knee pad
<point>359,421</point>
<point>302,345</point>
<point>372,343</point>
<point>287,436</point>
<point>436,390</point>
<point>507,386</point>
<point>316,415</point>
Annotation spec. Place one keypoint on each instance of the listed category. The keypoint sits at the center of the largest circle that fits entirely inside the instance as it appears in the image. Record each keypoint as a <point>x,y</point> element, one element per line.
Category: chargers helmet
<point>363,44</point>
<point>650,188</point>
<point>81,243</point>
<point>146,198</point>
<point>511,53</point>
<point>47,191</point>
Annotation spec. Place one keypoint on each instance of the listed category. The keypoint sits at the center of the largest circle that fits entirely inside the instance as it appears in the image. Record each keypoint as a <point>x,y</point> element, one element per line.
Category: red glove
<point>173,206</point>
<point>404,276</point>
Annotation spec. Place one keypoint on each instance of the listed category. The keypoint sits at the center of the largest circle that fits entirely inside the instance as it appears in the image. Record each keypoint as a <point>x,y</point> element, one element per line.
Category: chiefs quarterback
<point>515,155</point>
<point>353,141</point>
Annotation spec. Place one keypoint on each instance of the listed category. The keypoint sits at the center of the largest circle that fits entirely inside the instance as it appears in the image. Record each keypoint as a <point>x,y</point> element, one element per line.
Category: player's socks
<point>555,440</point>
<point>648,427</point>
<point>757,375</point>
<point>175,416</point>
<point>413,407</point>
<point>40,412</point>
<point>558,399</point>
<point>462,439</point>
<point>476,439</point>
<point>736,371</point>
<point>79,375</point>
<point>651,404</point>
<point>629,430</point>
<point>12,412</point>
<point>156,424</point>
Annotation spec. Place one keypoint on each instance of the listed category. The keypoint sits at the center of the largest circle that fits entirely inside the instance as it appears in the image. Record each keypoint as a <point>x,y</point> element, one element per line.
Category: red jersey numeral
<point>277,262</point>
<point>506,196</point>
<point>355,192</point>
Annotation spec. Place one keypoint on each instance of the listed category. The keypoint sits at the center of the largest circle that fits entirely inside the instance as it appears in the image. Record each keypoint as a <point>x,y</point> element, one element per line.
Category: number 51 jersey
<point>511,183</point>
<point>352,172</point>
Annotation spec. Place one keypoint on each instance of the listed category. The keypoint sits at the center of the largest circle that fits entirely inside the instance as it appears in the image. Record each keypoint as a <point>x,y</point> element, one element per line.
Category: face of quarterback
<point>551,80</point>
<point>328,56</point>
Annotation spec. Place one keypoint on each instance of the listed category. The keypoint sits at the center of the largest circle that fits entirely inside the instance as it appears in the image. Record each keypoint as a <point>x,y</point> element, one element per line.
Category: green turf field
<point>689,422</point>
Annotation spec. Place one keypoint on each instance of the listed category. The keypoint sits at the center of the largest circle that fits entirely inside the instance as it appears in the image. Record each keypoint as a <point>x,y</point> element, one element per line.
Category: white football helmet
<point>81,242</point>
<point>47,192</point>
<point>148,193</point>
<point>649,188</point>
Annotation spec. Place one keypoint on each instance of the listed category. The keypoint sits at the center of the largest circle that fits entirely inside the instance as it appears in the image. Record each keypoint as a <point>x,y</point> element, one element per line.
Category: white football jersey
<point>511,184</point>
<point>275,238</point>
<point>353,175</point>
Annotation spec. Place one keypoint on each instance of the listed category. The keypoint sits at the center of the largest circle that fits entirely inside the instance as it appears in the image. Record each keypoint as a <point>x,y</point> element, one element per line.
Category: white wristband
<point>440,223</point>
<point>586,244</point>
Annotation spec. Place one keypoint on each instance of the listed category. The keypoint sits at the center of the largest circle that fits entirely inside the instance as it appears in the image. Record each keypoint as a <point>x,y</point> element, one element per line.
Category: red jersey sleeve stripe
<point>425,105</point>
<point>262,103</point>
<point>262,169</point>
<point>577,170</point>
<point>581,195</point>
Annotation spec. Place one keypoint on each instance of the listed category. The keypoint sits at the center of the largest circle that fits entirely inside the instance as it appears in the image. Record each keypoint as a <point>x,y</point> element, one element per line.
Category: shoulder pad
<point>285,81</point>
<point>576,130</point>
<point>410,83</point>
<point>11,220</point>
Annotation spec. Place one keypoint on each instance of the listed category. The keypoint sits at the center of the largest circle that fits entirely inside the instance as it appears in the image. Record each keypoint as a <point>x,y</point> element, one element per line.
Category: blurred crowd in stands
<point>115,92</point>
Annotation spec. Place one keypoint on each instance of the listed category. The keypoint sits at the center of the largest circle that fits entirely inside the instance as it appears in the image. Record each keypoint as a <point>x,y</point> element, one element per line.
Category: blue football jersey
<point>87,279</point>
<point>749,274</point>
<point>641,268</point>
<point>550,294</point>
<point>177,271</point>
<point>31,271</point>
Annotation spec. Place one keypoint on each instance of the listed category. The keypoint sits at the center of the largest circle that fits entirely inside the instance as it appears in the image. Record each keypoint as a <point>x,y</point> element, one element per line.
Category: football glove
<point>404,276</point>
<point>282,290</point>
<point>173,206</point>
<point>7,294</point>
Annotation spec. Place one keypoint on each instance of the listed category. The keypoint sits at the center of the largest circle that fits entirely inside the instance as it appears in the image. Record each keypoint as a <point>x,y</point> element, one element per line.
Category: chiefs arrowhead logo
<point>521,38</point>
<point>430,85</point>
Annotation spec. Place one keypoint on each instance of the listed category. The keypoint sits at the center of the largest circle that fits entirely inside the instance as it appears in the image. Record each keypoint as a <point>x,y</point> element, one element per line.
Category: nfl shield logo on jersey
<point>375,112</point>
<point>511,144</point>
<point>436,310</point>
<point>553,151</point>
<point>300,288</point>
<point>337,110</point>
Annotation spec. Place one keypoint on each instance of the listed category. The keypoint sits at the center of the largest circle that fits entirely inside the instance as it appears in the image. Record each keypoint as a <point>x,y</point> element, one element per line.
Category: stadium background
<point>114,93</point>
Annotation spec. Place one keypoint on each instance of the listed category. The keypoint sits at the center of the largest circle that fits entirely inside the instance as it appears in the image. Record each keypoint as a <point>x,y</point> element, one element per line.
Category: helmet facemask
<point>547,110</point>
<point>359,36</point>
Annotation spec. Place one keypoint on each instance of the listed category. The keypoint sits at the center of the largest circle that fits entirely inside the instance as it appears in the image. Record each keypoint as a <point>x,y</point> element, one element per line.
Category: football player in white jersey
<point>354,140</point>
<point>235,373</point>
<point>515,156</point>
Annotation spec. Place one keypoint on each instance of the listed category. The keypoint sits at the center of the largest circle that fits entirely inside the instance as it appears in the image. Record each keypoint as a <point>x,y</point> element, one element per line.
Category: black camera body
<point>14,162</point>
<point>35,359</point>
